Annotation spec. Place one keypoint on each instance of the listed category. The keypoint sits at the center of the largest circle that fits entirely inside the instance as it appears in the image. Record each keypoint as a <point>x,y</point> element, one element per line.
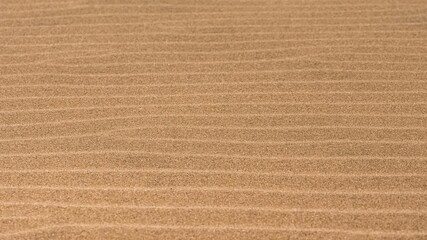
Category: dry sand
<point>214,119</point>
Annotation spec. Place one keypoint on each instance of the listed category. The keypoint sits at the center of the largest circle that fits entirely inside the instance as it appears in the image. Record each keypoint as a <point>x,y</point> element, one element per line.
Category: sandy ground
<point>214,119</point>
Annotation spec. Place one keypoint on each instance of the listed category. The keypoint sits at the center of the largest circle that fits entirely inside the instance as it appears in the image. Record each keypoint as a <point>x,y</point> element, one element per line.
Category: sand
<point>213,119</point>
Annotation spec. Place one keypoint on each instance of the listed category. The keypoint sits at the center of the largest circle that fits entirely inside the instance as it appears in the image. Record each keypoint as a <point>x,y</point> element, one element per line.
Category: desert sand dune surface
<point>213,119</point>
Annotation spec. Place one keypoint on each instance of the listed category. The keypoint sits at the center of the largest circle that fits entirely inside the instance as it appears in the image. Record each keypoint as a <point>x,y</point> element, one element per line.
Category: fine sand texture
<point>213,119</point>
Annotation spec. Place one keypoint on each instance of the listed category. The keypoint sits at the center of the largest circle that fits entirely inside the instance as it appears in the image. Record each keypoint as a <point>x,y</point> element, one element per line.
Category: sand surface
<point>213,119</point>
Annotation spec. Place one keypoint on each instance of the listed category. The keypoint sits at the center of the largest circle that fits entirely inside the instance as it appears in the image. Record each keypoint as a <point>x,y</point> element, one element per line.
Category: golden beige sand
<point>213,119</point>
